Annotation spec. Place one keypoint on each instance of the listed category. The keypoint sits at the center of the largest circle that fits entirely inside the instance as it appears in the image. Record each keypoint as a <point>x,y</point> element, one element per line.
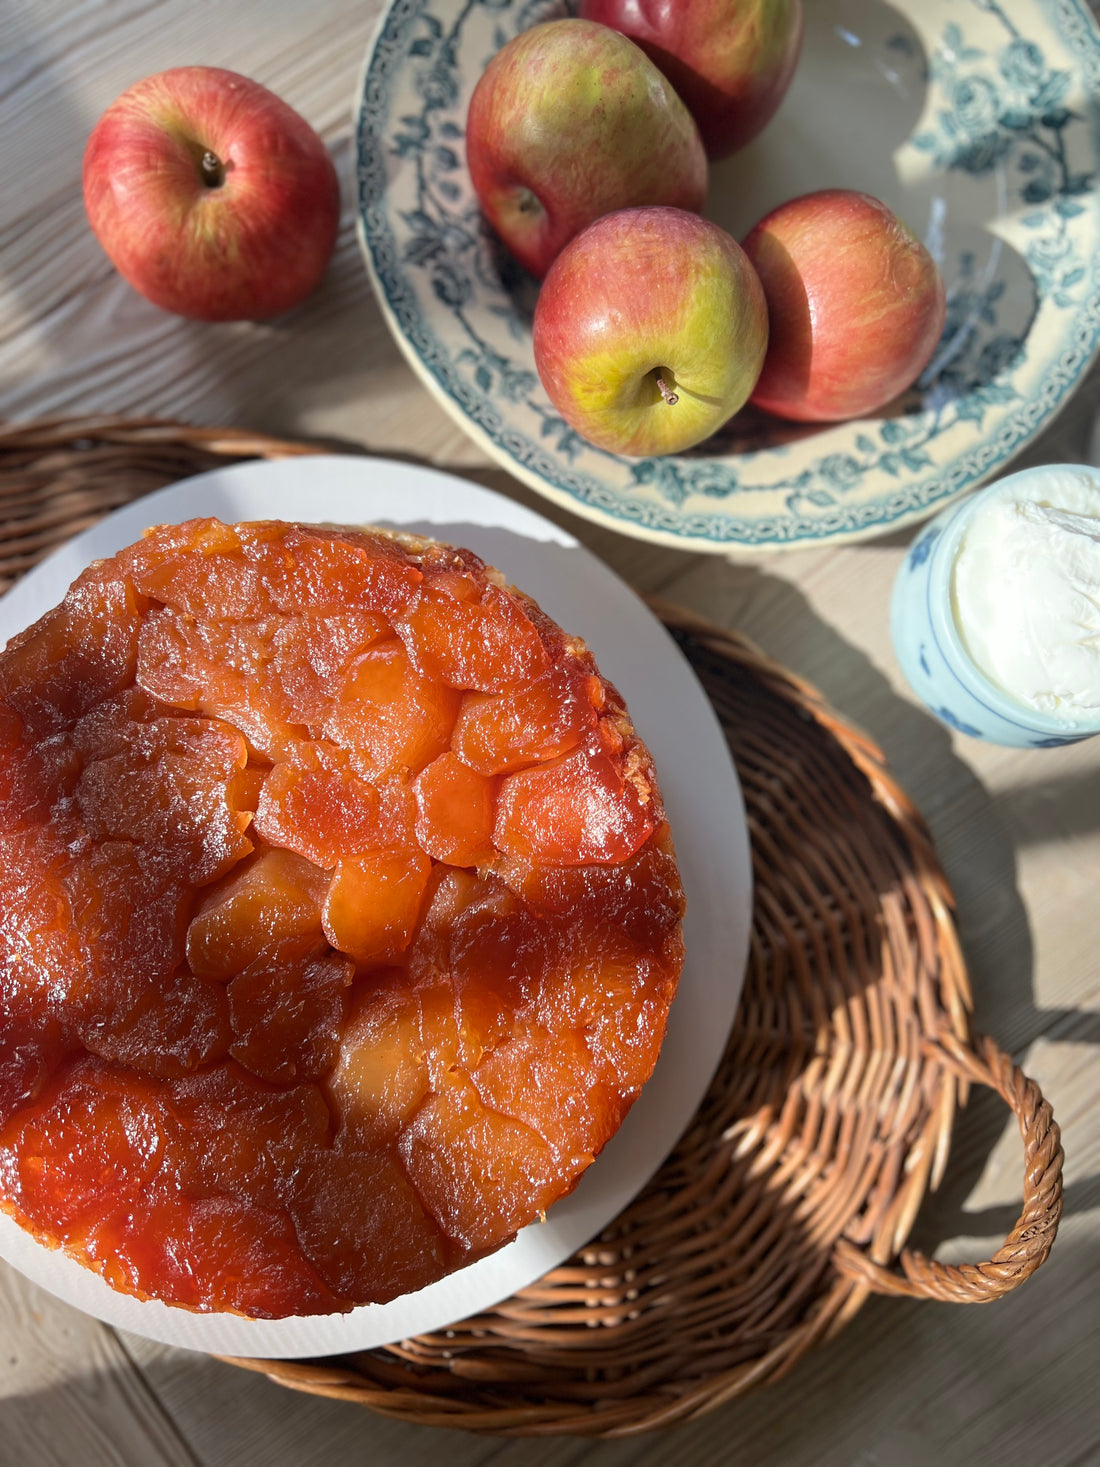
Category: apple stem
<point>213,172</point>
<point>666,391</point>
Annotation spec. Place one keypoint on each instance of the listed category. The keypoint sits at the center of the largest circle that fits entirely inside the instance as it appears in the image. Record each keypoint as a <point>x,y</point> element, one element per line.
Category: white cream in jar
<point>1025,590</point>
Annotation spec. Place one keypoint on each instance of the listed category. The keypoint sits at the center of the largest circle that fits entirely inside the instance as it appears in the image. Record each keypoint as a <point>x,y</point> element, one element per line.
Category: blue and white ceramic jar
<point>932,649</point>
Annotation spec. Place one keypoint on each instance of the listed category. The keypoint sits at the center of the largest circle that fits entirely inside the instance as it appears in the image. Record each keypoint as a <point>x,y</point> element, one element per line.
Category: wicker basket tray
<point>791,1195</point>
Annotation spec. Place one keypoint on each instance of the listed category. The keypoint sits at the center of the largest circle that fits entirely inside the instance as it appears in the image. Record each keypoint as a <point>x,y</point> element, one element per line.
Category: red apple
<point>731,60</point>
<point>211,196</point>
<point>650,330</point>
<point>570,121</point>
<point>855,306</point>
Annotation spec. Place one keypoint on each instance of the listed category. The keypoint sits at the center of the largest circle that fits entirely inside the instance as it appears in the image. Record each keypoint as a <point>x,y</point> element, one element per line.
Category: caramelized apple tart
<point>340,917</point>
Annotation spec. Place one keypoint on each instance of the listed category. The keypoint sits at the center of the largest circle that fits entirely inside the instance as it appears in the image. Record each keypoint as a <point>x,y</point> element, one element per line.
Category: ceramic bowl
<point>934,657</point>
<point>976,121</point>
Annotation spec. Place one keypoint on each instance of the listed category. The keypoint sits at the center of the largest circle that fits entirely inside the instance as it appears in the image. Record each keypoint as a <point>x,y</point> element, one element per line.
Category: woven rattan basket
<point>791,1195</point>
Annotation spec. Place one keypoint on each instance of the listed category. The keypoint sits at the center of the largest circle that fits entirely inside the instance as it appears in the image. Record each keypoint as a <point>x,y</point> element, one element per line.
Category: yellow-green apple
<point>570,120</point>
<point>650,330</point>
<point>855,305</point>
<point>211,196</point>
<point>731,60</point>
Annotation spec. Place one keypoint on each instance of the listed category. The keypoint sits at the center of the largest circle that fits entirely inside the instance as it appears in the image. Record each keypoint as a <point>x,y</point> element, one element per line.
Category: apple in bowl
<point>856,306</point>
<point>730,60</point>
<point>211,196</point>
<point>650,331</point>
<point>570,120</point>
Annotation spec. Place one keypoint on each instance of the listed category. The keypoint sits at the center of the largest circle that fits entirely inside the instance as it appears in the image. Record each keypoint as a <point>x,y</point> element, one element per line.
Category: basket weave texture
<point>791,1195</point>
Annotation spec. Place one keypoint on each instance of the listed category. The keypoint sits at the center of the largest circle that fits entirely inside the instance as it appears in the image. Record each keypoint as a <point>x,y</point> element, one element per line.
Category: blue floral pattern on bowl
<point>1007,135</point>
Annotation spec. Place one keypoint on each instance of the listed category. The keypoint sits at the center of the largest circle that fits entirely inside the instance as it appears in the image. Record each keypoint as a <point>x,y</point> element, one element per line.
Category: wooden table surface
<point>1018,832</point>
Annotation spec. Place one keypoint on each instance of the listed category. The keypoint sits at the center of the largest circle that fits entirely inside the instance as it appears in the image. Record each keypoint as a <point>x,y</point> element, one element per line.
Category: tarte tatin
<point>339,916</point>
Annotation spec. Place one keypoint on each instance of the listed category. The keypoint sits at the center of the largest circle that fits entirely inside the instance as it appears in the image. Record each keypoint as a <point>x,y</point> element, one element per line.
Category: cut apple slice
<point>455,811</point>
<point>323,814</point>
<point>362,1224</point>
<point>268,913</point>
<point>381,1075</point>
<point>481,1174</point>
<point>539,720</point>
<point>374,903</point>
<point>468,633</point>
<point>389,716</point>
<point>572,811</point>
<point>287,1021</point>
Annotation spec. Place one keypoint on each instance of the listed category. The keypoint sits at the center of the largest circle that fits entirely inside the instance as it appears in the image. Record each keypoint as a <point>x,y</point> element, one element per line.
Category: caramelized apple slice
<point>618,999</point>
<point>32,1051</point>
<point>572,811</point>
<point>543,719</point>
<point>482,1175</point>
<point>229,1134</point>
<point>389,716</point>
<point>549,1081</point>
<point>92,1140</point>
<point>287,1021</point>
<point>468,633</point>
<point>211,1253</point>
<point>167,789</point>
<point>451,893</point>
<point>308,568</point>
<point>75,656</point>
<point>455,811</point>
<point>168,1031</point>
<point>44,963</point>
<point>131,911</point>
<point>374,903</point>
<point>313,652</point>
<point>381,1075</point>
<point>499,954</point>
<point>363,1226</point>
<point>220,668</point>
<point>324,814</point>
<point>196,568</point>
<point>34,778</point>
<point>269,913</point>
<point>640,898</point>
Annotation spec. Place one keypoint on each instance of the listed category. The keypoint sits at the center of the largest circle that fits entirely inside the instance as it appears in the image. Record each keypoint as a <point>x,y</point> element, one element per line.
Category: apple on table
<point>569,121</point>
<point>730,60</point>
<point>650,331</point>
<point>211,195</point>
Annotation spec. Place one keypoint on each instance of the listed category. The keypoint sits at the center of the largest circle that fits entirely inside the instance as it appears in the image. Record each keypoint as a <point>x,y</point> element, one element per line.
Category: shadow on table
<point>975,832</point>
<point>906,1384</point>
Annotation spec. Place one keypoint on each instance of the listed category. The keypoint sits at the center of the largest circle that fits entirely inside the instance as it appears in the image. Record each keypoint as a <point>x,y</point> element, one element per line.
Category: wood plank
<point>229,1415</point>
<point>70,1393</point>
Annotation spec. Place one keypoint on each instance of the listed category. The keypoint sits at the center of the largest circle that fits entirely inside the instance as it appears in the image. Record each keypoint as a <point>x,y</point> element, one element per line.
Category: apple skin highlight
<point>570,121</point>
<point>731,61</point>
<point>855,302</point>
<point>642,294</point>
<point>249,246</point>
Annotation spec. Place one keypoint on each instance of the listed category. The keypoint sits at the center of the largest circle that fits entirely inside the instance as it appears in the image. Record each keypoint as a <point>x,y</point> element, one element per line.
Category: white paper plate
<point>705,810</point>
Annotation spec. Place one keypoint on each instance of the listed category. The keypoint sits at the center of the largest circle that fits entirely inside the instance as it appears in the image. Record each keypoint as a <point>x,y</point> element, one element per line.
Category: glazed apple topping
<point>340,918</point>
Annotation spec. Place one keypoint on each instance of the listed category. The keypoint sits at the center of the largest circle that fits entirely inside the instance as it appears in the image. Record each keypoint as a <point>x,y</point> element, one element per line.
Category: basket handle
<point>1027,1246</point>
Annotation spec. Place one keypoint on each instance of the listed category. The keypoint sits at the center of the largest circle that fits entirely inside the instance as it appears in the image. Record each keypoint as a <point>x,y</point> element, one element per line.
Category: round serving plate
<point>705,810</point>
<point>976,121</point>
